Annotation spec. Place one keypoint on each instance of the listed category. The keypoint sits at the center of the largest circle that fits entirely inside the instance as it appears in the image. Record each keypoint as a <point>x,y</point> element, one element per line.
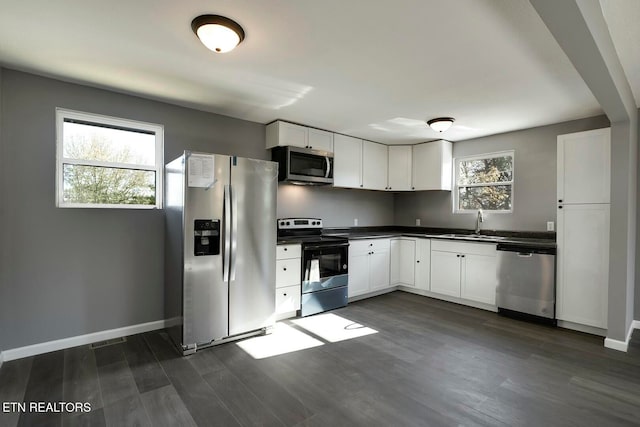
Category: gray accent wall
<point>337,207</point>
<point>69,272</point>
<point>534,192</point>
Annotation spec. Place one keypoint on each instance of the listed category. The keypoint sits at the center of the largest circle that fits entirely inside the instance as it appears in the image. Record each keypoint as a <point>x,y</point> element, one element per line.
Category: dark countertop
<point>531,239</point>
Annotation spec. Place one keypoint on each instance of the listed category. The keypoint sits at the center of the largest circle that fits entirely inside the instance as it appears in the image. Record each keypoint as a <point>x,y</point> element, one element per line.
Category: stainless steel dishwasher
<point>527,282</point>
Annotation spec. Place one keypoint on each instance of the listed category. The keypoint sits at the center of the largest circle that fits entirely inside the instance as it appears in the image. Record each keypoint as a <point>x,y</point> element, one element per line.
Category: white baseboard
<point>46,347</point>
<point>622,345</point>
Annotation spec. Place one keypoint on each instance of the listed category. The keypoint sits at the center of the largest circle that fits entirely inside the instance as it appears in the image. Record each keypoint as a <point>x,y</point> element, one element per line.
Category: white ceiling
<point>372,69</point>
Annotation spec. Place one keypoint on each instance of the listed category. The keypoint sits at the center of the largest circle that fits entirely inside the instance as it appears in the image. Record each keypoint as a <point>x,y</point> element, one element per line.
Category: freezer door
<point>205,291</point>
<point>253,260</point>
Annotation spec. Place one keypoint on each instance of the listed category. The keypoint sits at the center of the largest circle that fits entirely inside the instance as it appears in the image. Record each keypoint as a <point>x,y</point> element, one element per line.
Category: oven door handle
<point>333,245</point>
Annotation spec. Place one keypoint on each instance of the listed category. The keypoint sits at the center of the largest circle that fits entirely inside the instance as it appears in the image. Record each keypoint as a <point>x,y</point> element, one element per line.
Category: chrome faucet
<point>479,219</point>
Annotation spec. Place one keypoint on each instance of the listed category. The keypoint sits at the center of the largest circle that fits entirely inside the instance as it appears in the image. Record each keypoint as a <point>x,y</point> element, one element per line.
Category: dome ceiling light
<point>441,124</point>
<point>218,33</point>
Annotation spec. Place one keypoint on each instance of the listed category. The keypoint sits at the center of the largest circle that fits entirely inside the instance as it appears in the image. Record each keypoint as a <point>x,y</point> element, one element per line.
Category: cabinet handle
<point>284,294</point>
<point>458,255</point>
<point>413,188</point>
<point>418,261</point>
<point>559,207</point>
<point>462,256</point>
<point>310,146</point>
<point>560,201</point>
<point>284,268</point>
<point>285,249</point>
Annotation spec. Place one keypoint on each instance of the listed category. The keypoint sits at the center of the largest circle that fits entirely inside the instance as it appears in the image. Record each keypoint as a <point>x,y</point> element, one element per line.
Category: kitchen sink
<point>472,237</point>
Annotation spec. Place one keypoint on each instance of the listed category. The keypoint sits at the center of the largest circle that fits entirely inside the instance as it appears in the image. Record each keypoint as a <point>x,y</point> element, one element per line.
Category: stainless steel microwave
<point>303,165</point>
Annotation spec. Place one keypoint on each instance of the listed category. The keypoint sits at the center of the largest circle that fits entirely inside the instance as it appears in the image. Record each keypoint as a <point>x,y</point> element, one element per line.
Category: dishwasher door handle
<point>525,254</point>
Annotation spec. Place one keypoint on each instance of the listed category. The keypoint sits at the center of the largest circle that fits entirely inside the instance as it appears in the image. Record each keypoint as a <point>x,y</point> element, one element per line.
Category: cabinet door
<point>479,279</point>
<point>290,134</point>
<point>374,166</point>
<point>584,167</point>
<point>320,140</point>
<point>358,274</point>
<point>400,167</point>
<point>407,262</point>
<point>583,264</point>
<point>423,264</point>
<point>445,273</point>
<point>379,270</point>
<point>394,264</point>
<point>432,166</point>
<point>347,162</point>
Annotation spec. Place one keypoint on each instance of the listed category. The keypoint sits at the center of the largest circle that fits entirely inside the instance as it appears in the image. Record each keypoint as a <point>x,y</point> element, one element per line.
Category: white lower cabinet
<point>403,260</point>
<point>464,270</point>
<point>288,276</point>
<point>423,264</point>
<point>368,266</point>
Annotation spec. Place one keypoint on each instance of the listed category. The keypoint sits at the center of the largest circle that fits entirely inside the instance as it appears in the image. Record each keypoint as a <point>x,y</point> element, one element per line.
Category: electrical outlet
<point>355,222</point>
<point>417,221</point>
<point>550,226</point>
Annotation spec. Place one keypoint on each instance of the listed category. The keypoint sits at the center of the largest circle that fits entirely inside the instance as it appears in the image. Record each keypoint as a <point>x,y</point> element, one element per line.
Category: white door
<point>423,263</point>
<point>379,270</point>
<point>320,140</point>
<point>399,167</point>
<point>584,167</point>
<point>432,166</point>
<point>358,274</point>
<point>347,161</point>
<point>445,273</point>
<point>374,165</point>
<point>291,134</point>
<point>583,264</point>
<point>479,279</point>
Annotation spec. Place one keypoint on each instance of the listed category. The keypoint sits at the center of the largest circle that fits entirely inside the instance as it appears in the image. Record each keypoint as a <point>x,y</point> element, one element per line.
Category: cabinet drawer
<point>369,245</point>
<point>287,272</point>
<point>288,251</point>
<point>288,299</point>
<point>488,249</point>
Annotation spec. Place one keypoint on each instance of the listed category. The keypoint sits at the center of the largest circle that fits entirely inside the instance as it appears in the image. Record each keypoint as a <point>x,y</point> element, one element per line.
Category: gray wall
<point>534,181</point>
<point>68,272</point>
<point>3,206</point>
<point>336,206</point>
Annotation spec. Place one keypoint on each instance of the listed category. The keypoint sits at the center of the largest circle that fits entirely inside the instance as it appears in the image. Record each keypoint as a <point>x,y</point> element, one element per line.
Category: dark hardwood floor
<point>431,363</point>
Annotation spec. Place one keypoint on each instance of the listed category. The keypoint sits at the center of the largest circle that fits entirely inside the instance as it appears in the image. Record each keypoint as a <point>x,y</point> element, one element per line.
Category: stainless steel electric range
<point>325,274</point>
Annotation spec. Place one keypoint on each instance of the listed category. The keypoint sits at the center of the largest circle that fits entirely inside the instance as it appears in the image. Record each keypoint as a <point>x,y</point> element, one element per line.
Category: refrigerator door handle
<point>234,234</point>
<point>227,233</point>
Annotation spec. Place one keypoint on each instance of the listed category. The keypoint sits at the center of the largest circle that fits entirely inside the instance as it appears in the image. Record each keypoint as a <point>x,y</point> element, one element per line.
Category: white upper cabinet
<point>399,168</point>
<point>374,166</point>
<point>347,161</point>
<point>432,162</point>
<point>284,133</point>
<point>584,167</point>
<point>320,140</point>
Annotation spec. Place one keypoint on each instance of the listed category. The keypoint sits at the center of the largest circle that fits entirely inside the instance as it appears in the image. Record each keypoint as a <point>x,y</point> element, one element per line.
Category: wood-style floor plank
<point>128,411</point>
<point>165,408</point>
<point>14,376</point>
<point>45,385</point>
<point>146,370</point>
<point>80,382</point>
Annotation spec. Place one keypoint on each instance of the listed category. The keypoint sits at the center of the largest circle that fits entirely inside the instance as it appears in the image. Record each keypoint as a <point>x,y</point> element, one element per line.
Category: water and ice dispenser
<point>206,237</point>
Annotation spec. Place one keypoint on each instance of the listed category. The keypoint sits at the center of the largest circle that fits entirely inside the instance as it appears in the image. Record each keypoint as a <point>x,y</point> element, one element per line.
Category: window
<point>105,162</point>
<point>484,182</point>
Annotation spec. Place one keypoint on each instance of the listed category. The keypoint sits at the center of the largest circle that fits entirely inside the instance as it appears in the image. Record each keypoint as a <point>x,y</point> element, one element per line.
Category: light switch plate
<point>355,222</point>
<point>417,221</point>
<point>550,226</point>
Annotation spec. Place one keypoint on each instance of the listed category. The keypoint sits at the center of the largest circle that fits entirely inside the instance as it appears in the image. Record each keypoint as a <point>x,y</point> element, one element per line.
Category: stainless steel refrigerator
<point>220,248</point>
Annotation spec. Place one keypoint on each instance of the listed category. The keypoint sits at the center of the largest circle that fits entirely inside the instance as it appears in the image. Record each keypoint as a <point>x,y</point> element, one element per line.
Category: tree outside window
<point>484,182</point>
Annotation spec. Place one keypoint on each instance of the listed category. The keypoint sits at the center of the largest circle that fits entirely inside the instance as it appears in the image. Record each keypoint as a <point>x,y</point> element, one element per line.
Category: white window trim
<point>456,176</point>
<point>157,129</point>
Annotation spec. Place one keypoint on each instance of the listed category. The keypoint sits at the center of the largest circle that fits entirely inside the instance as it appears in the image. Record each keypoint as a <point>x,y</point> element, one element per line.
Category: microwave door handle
<point>326,159</point>
<point>227,234</point>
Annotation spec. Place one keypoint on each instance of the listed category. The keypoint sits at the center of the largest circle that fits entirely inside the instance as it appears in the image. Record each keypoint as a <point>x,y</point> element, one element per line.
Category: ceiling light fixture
<point>218,33</point>
<point>441,124</point>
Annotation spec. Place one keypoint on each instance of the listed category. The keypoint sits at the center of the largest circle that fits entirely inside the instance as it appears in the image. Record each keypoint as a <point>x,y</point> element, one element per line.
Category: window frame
<point>457,185</point>
<point>99,119</point>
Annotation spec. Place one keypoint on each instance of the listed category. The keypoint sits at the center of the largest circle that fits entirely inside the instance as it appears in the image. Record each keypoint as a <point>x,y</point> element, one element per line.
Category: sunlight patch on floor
<point>283,339</point>
<point>332,327</point>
